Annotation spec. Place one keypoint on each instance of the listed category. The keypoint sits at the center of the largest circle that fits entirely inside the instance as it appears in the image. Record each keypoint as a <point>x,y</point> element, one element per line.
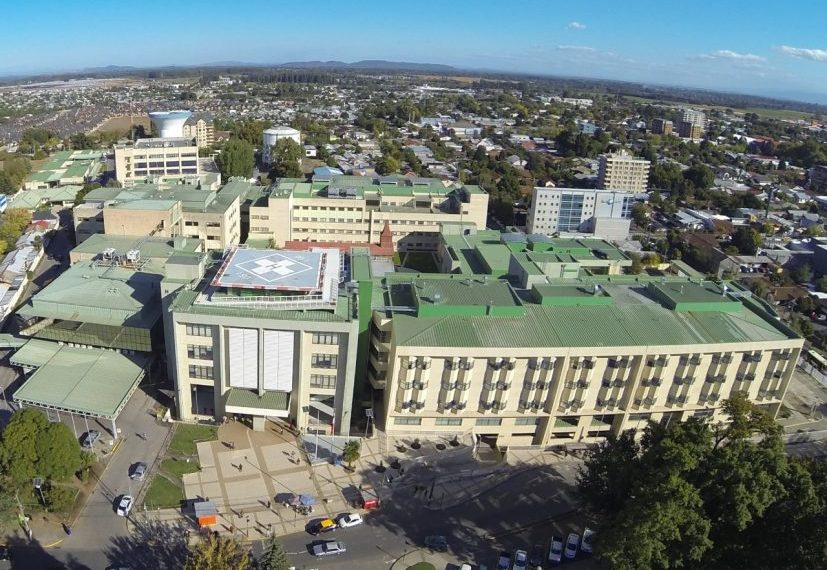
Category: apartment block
<point>576,210</point>
<point>662,127</point>
<point>622,171</point>
<point>692,124</point>
<point>355,209</point>
<point>155,158</point>
<point>202,131</point>
<point>266,334</point>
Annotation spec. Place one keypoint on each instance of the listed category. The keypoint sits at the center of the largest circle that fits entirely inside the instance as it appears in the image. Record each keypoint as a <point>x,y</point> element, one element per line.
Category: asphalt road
<point>526,510</point>
<point>100,537</point>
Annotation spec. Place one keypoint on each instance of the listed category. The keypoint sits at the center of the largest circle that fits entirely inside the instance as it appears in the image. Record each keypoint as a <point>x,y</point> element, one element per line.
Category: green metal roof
<point>269,400</point>
<point>705,296</point>
<point>94,293</point>
<point>32,199</point>
<point>149,246</point>
<point>91,381</point>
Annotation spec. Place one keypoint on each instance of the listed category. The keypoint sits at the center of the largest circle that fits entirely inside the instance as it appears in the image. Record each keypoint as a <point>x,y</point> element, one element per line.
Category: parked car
<point>89,438</point>
<point>322,526</point>
<point>504,562</point>
<point>586,544</point>
<point>328,548</point>
<point>5,553</point>
<point>138,471</point>
<point>437,542</point>
<point>572,543</point>
<point>520,560</point>
<point>555,550</point>
<point>535,559</point>
<point>350,519</point>
<point>124,505</point>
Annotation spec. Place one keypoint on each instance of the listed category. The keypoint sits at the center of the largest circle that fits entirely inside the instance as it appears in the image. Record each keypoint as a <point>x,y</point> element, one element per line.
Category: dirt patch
<point>122,124</point>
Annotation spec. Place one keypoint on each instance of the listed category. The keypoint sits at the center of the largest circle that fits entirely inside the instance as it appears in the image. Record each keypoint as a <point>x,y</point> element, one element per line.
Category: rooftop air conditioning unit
<point>133,255</point>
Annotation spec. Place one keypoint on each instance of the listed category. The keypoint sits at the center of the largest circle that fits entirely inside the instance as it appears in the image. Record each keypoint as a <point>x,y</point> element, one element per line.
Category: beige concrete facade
<point>622,171</point>
<point>559,396</point>
<point>202,131</point>
<point>413,218</point>
<point>191,368</point>
<point>148,158</point>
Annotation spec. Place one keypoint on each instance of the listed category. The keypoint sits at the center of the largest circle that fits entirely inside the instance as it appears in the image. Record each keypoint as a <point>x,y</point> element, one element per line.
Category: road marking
<point>53,544</point>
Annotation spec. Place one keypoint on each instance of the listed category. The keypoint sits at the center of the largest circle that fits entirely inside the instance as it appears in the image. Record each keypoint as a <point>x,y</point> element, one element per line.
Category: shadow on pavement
<point>32,556</point>
<point>152,544</point>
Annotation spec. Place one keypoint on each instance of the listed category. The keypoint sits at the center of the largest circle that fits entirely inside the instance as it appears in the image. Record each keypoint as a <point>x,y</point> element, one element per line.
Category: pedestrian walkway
<point>247,475</point>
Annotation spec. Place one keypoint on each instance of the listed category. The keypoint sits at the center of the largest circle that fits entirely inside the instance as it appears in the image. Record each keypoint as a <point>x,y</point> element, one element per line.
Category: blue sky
<point>780,50</point>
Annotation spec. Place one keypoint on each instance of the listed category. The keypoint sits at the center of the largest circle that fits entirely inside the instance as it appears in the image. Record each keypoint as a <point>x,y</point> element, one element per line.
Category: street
<point>526,510</point>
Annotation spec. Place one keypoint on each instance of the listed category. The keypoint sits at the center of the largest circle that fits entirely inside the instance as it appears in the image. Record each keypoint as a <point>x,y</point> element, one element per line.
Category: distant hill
<point>370,64</point>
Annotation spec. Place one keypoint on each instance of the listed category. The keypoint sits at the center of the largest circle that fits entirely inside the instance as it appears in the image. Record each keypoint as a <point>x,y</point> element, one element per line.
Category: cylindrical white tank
<point>272,135</point>
<point>170,124</point>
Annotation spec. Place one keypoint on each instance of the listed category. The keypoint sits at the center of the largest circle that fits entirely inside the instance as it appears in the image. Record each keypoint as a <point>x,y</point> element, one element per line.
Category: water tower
<point>170,124</point>
<point>275,134</point>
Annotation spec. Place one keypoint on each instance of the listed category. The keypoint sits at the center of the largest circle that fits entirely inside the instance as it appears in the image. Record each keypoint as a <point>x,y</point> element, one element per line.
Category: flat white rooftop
<point>271,270</point>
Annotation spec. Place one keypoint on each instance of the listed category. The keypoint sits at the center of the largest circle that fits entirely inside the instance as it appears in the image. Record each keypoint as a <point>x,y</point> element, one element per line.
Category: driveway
<point>98,531</point>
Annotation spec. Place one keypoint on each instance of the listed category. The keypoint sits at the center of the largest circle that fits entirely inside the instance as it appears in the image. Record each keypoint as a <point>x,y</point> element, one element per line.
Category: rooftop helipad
<point>271,270</point>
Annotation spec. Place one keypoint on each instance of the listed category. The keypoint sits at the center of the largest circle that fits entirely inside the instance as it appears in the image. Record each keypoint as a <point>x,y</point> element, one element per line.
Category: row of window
<point>322,381</point>
<point>326,338</point>
<point>199,352</point>
<point>324,360</point>
<point>199,330</point>
<point>202,372</point>
<point>410,421</point>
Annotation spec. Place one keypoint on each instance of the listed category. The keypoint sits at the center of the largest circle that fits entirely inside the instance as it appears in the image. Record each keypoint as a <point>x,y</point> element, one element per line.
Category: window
<point>199,352</point>
<point>322,338</point>
<point>449,421</point>
<point>407,421</point>
<point>526,421</point>
<point>199,330</point>
<point>322,381</point>
<point>324,360</point>
<point>488,421</point>
<point>203,372</point>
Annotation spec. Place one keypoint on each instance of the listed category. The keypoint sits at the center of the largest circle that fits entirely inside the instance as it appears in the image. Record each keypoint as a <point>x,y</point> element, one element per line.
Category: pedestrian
<point>268,504</point>
<point>240,467</point>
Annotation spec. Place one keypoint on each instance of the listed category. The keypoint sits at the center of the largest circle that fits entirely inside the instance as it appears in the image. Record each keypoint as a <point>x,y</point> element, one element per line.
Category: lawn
<point>163,494</point>
<point>422,566</point>
<point>178,468</point>
<point>187,435</point>
<point>421,261</point>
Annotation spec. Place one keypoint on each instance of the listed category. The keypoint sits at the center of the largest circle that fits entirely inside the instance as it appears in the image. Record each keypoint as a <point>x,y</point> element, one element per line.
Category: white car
<point>329,548</point>
<point>350,519</point>
<point>520,560</point>
<point>124,505</point>
<point>555,550</point>
<point>586,544</point>
<point>572,542</point>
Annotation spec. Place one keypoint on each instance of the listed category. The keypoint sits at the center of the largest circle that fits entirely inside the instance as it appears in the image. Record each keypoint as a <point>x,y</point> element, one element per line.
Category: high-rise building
<point>692,124</point>
<point>622,171</point>
<point>581,211</point>
<point>269,334</point>
<point>202,131</point>
<point>155,158</point>
<point>661,127</point>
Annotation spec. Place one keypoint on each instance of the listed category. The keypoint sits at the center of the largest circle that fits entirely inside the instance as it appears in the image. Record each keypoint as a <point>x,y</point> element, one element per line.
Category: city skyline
<point>774,54</point>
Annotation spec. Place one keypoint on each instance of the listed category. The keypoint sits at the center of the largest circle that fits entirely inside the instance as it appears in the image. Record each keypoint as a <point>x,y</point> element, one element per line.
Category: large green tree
<point>32,446</point>
<point>286,157</point>
<point>237,158</point>
<point>274,557</point>
<point>699,494</point>
<point>216,552</point>
<point>747,240</point>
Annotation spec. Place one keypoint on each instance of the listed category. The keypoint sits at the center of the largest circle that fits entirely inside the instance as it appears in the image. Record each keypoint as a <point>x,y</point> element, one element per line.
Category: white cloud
<point>576,48</point>
<point>805,53</point>
<point>576,26</point>
<point>734,56</point>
